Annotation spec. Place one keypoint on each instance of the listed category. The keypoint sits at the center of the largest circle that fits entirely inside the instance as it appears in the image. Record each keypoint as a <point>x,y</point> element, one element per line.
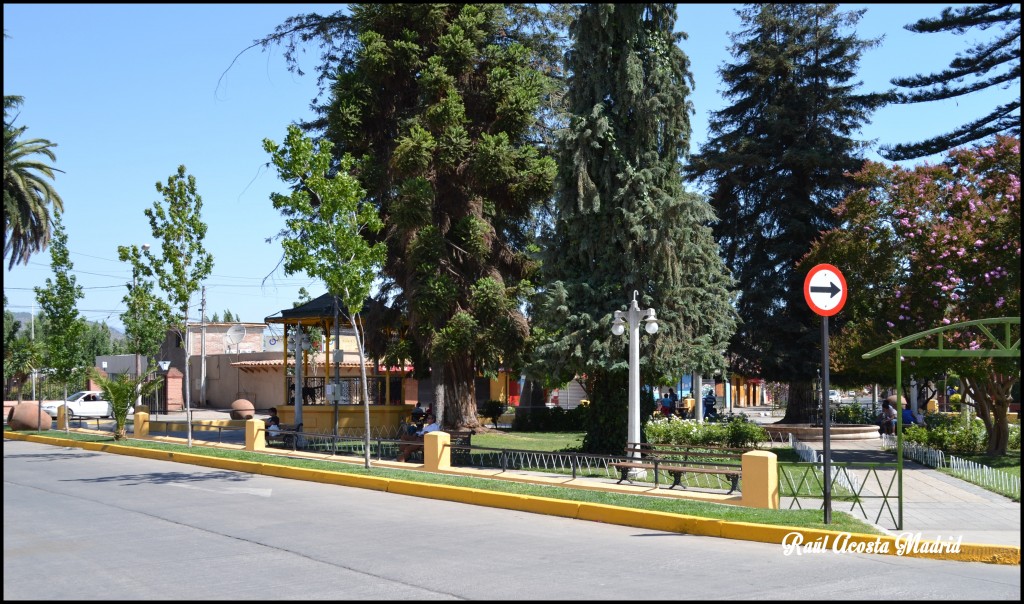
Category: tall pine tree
<point>776,165</point>
<point>994,63</point>
<point>624,222</point>
<point>442,103</point>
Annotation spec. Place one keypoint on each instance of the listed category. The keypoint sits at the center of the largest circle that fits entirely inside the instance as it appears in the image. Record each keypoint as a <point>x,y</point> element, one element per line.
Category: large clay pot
<point>892,401</point>
<point>242,409</point>
<point>28,416</point>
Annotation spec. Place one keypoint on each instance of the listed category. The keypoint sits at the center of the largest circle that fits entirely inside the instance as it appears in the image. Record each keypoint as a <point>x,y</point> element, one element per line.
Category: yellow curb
<point>799,539</point>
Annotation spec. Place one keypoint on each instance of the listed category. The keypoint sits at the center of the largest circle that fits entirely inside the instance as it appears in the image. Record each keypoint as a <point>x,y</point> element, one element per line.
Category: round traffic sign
<point>825,290</point>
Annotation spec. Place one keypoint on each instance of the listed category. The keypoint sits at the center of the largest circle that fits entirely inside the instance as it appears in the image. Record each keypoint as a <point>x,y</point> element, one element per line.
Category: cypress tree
<point>776,165</point>
<point>623,221</point>
<point>995,62</point>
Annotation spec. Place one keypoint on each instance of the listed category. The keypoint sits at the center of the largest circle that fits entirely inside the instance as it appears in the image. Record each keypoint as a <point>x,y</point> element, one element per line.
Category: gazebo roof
<point>319,311</point>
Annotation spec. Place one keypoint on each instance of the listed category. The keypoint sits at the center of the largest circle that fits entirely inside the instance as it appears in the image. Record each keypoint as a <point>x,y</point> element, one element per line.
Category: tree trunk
<point>437,380</point>
<point>991,396</point>
<point>802,407</point>
<point>460,395</point>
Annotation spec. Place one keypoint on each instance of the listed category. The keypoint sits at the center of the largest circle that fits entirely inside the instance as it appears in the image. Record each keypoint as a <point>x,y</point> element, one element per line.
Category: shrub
<point>949,436</point>
<point>852,414</point>
<point>737,432</point>
<point>954,401</point>
<point>741,432</point>
<point>1014,441</point>
<point>555,419</point>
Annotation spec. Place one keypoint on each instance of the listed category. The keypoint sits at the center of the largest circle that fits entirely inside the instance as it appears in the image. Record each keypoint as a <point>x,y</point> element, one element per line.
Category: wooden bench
<point>682,459</point>
<point>286,437</point>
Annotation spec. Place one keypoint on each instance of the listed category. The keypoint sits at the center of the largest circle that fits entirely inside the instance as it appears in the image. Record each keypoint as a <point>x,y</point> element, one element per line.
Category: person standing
<point>666,405</point>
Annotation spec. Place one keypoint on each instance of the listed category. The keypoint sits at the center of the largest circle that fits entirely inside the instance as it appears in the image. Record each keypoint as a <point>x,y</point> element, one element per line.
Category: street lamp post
<point>633,317</point>
<point>138,357</point>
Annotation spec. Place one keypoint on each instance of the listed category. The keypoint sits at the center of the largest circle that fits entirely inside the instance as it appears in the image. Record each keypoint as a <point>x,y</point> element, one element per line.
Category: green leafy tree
<point>21,353</point>
<point>97,341</point>
<point>179,270</point>
<point>927,247</point>
<point>28,192</point>
<point>327,218</point>
<point>121,393</point>
<point>621,206</point>
<point>64,328</point>
<point>994,63</point>
<point>230,318</point>
<point>11,328</point>
<point>145,313</point>
<point>442,105</point>
<point>776,164</point>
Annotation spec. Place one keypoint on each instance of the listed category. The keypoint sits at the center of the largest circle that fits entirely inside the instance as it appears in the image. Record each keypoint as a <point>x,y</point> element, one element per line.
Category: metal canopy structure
<point>1002,346</point>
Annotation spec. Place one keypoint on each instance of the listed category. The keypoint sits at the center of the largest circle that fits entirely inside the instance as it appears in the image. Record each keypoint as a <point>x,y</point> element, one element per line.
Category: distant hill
<point>25,317</point>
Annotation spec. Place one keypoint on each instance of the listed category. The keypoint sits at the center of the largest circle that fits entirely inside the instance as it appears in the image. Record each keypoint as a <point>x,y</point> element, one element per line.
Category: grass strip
<point>841,521</point>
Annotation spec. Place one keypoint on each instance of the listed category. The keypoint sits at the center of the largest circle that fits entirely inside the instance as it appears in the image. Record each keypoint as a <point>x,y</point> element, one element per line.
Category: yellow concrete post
<point>62,417</point>
<point>760,487</point>
<point>437,454</point>
<point>140,424</point>
<point>255,435</point>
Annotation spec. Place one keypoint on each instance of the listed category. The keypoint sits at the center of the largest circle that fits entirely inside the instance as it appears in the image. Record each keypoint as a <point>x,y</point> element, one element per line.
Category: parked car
<point>84,403</point>
<point>834,398</point>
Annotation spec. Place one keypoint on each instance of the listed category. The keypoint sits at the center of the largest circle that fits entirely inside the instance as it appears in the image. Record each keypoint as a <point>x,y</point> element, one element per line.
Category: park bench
<point>459,442</point>
<point>678,460</point>
<point>286,437</point>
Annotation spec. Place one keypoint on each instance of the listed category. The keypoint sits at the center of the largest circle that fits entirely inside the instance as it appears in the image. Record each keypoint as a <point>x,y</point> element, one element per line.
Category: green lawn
<point>1009,463</point>
<point>531,441</point>
<point>841,521</point>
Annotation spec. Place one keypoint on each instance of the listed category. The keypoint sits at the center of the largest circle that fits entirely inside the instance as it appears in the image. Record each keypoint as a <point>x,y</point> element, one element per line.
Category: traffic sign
<point>825,290</point>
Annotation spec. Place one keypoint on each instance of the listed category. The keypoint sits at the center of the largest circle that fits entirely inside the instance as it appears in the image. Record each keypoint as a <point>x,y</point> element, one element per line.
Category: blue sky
<point>129,92</point>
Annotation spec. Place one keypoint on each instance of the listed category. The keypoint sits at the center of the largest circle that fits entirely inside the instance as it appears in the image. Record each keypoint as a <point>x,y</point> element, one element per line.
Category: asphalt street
<point>88,525</point>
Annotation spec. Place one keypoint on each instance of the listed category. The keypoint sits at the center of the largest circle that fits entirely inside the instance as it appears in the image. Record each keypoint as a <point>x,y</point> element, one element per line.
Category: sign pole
<point>825,292</point>
<point>826,423</point>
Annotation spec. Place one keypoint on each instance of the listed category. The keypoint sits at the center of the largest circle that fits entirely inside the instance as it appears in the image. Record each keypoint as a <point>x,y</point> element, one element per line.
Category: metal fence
<point>869,488</point>
<point>809,454</point>
<point>970,471</point>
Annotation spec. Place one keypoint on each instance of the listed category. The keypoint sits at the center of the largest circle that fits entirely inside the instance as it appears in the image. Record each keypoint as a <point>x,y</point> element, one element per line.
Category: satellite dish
<point>234,336</point>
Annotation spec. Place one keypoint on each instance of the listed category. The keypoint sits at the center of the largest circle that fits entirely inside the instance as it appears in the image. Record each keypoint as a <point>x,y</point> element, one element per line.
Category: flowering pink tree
<point>932,246</point>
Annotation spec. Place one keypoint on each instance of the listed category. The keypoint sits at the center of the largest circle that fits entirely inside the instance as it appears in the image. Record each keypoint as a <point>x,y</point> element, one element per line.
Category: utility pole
<point>202,351</point>
<point>138,357</point>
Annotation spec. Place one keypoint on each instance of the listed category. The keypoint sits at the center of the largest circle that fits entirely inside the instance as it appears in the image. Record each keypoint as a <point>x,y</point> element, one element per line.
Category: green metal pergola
<point>1002,345</point>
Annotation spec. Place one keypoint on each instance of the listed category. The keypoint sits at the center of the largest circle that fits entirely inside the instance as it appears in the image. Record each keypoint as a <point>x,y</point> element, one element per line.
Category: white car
<point>84,403</point>
<point>833,397</point>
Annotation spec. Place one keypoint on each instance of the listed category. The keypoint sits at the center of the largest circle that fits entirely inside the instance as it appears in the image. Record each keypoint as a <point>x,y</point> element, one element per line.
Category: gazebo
<point>328,398</point>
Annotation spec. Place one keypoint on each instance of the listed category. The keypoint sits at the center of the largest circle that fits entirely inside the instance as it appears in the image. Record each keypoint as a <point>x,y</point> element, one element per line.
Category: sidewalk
<point>936,505</point>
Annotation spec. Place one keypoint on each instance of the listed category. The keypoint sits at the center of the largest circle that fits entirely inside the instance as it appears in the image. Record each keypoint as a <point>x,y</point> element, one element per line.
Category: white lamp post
<point>633,317</point>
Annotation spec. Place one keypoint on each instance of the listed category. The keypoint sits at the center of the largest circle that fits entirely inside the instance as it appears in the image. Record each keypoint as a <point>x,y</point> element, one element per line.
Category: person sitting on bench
<point>273,427</point>
<point>415,440</point>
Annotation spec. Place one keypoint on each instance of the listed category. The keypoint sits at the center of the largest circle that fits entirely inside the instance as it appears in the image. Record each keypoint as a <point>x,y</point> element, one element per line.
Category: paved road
<point>87,525</point>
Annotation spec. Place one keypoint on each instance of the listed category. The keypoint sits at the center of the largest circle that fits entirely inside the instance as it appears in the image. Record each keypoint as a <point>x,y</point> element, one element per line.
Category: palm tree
<point>27,192</point>
<point>121,392</point>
